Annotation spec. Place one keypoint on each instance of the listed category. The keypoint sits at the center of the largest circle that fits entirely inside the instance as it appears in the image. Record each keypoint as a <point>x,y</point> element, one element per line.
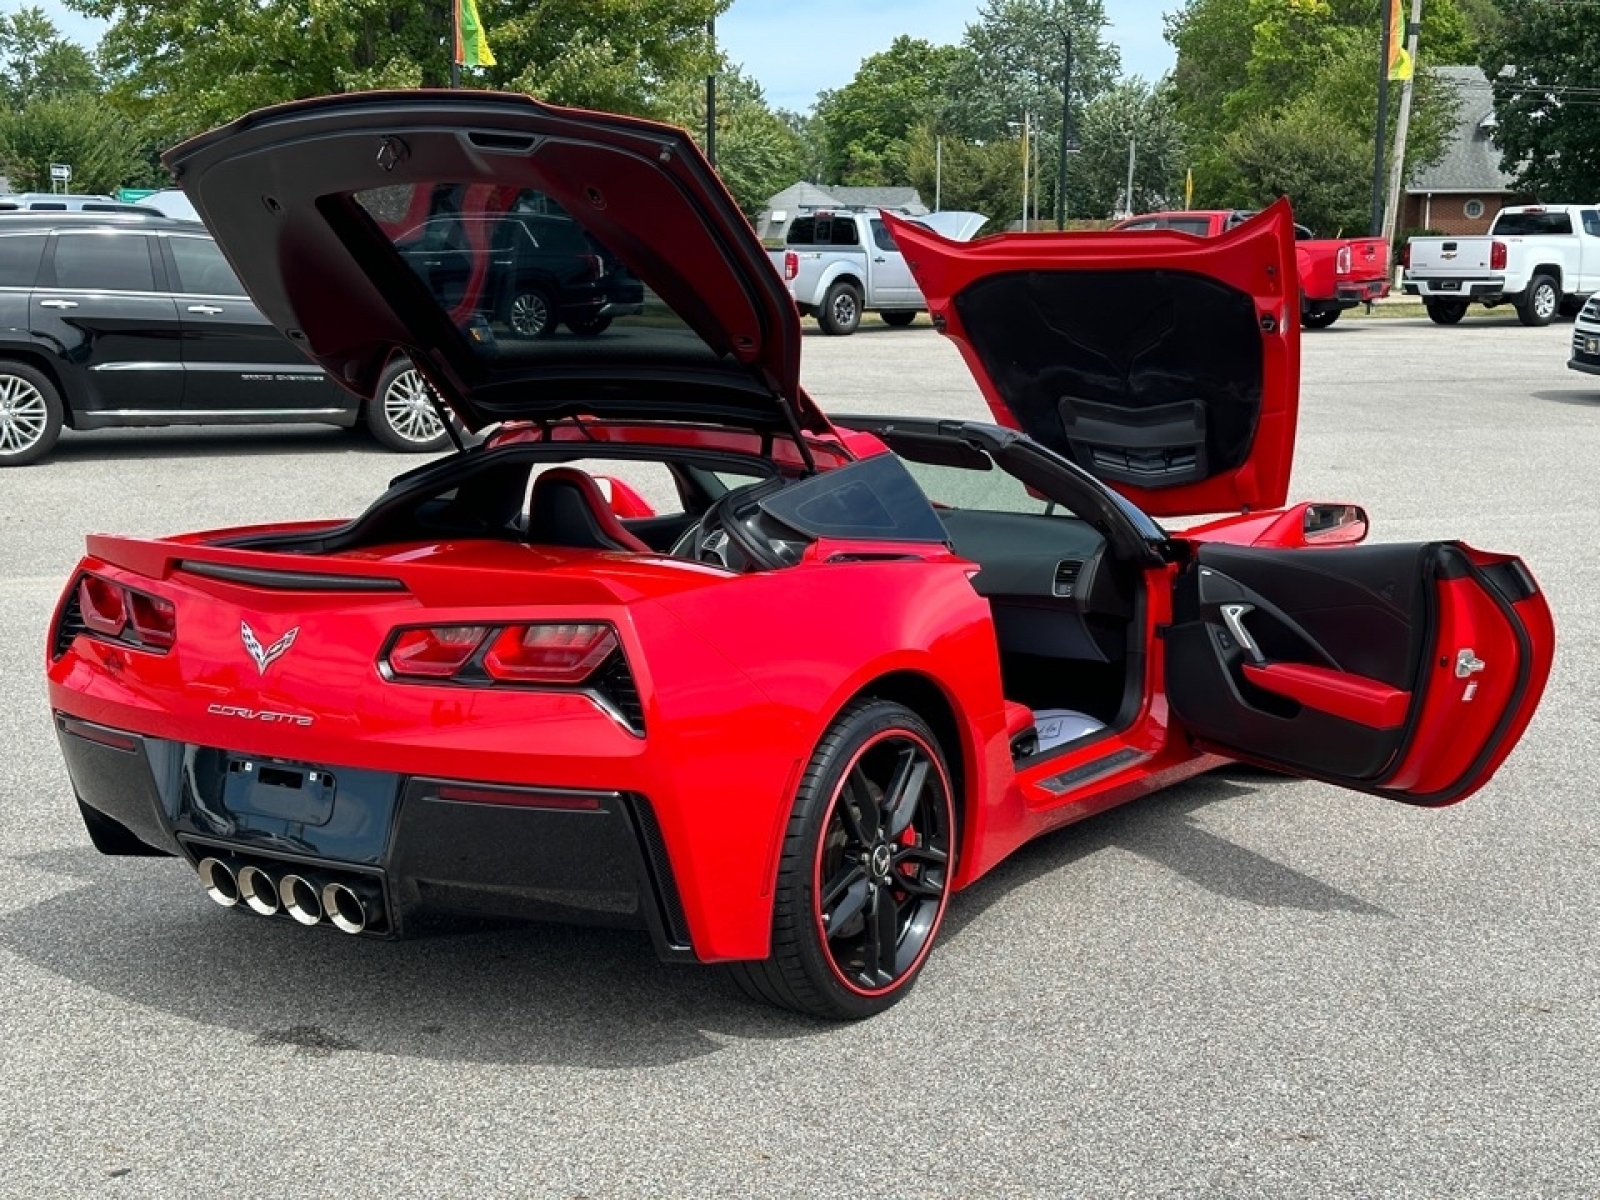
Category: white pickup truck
<point>841,264</point>
<point>1541,258</point>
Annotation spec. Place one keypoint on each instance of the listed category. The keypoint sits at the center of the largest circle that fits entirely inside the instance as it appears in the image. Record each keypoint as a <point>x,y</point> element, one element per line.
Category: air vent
<point>72,623</point>
<point>1067,576</point>
<point>1141,465</point>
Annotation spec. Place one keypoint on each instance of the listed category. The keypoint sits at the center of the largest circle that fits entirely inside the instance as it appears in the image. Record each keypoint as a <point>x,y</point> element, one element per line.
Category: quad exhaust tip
<point>300,899</point>
<point>258,891</point>
<point>348,907</point>
<point>219,881</point>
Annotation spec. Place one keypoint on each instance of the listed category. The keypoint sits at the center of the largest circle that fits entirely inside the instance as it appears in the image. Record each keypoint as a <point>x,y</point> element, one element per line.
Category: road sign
<point>60,172</point>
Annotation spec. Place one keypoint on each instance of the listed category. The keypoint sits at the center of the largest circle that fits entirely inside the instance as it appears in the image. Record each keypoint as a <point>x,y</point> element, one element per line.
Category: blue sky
<point>796,49</point>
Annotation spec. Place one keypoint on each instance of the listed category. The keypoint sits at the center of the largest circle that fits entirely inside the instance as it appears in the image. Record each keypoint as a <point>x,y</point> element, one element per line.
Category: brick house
<point>1462,192</point>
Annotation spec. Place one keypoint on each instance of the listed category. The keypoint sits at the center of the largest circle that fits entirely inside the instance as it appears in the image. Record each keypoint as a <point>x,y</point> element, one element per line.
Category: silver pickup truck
<point>841,264</point>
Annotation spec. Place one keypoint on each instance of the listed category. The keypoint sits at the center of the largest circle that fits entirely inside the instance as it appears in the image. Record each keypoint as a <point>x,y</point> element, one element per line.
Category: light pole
<point>711,96</point>
<point>1066,126</point>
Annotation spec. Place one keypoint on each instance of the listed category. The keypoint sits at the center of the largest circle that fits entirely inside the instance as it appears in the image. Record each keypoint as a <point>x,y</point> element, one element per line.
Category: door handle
<point>1233,616</point>
<point>880,258</point>
<point>58,304</point>
<point>210,310</point>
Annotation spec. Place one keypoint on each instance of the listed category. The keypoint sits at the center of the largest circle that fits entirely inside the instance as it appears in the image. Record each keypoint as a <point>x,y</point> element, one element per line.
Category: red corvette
<point>779,721</point>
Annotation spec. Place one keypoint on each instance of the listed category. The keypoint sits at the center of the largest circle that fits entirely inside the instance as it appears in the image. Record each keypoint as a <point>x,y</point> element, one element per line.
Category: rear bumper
<point>421,846</point>
<point>1455,289</point>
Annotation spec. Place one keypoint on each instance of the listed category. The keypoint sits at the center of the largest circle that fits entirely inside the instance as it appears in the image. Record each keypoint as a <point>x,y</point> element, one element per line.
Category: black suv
<point>543,270</point>
<point>108,320</point>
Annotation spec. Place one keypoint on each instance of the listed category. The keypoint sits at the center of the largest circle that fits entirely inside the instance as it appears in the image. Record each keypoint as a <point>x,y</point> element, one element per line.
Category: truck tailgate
<point>1446,257</point>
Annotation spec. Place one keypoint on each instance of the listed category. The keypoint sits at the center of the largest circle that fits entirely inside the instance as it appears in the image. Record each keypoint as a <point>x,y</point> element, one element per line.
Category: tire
<point>899,319</point>
<point>855,955</point>
<point>1319,318</point>
<point>401,416</point>
<point>1540,302</point>
<point>529,313</point>
<point>31,414</point>
<point>589,326</point>
<point>840,313</point>
<point>1445,312</point>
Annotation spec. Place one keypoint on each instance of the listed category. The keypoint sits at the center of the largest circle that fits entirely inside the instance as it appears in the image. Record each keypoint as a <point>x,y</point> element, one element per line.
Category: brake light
<point>1497,256</point>
<point>1341,261</point>
<point>105,611</point>
<point>595,265</point>
<point>155,620</point>
<point>549,653</point>
<point>791,265</point>
<point>437,652</point>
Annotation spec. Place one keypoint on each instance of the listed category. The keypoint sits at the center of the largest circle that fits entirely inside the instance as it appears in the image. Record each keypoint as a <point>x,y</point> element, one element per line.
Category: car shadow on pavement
<point>1579,397</point>
<point>214,442</point>
<point>142,931</point>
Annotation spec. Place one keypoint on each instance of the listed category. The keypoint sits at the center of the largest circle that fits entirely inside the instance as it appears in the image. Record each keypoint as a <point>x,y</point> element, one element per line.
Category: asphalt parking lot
<point>1246,987</point>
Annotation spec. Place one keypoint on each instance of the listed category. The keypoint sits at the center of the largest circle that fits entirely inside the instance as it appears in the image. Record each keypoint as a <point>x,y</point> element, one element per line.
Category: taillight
<point>1497,256</point>
<point>103,605</point>
<point>1341,261</point>
<point>791,264</point>
<point>437,652</point>
<point>558,654</point>
<point>595,264</point>
<point>109,610</point>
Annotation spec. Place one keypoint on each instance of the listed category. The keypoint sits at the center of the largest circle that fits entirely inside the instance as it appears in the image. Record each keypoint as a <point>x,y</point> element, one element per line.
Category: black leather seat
<point>567,508</point>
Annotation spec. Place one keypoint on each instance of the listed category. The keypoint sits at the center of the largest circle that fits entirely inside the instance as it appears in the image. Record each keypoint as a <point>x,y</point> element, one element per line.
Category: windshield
<point>1533,222</point>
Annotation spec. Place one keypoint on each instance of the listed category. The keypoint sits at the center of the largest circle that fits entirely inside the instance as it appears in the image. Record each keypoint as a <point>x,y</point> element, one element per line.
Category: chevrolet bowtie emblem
<point>265,658</point>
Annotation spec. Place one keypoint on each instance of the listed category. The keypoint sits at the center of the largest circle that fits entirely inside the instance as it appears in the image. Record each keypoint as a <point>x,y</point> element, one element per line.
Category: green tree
<point>36,62</point>
<point>1323,167</point>
<point>867,122</point>
<point>103,148</point>
<point>1544,65</point>
<point>759,153</point>
<point>967,176</point>
<point>185,65</point>
<point>1132,111</point>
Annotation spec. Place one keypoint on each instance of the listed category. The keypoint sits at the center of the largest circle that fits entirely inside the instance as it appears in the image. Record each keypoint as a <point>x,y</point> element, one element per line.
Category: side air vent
<point>72,624</point>
<point>1067,576</point>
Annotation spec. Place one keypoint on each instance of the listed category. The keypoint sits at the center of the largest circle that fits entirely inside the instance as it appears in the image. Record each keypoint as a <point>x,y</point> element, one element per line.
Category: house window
<point>1472,209</point>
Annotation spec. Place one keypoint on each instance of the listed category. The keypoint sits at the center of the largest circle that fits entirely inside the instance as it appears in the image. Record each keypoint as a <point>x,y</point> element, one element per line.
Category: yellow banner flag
<point>1188,189</point>
<point>1399,60</point>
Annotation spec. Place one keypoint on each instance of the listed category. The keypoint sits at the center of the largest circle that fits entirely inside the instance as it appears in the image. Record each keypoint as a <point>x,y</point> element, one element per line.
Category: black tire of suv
<point>1540,302</point>
<point>31,414</point>
<point>589,326</point>
<point>840,314</point>
<point>404,437</point>
<point>899,319</point>
<point>1445,312</point>
<point>804,972</point>
<point>1319,318</point>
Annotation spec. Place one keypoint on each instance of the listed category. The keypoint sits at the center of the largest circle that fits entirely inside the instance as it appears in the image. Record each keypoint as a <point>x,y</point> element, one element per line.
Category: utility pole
<point>1066,128</point>
<point>1128,198</point>
<point>711,96</point>
<point>1025,119</point>
<point>1391,211</point>
<point>1375,225</point>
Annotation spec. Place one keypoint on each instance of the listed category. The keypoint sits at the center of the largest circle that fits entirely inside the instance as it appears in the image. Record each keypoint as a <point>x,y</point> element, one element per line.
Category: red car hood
<point>1166,365</point>
<point>326,209</point>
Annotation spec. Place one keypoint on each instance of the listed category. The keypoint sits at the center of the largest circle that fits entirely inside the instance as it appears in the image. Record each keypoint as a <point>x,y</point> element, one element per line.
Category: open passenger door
<point>1166,365</point>
<point>1408,671</point>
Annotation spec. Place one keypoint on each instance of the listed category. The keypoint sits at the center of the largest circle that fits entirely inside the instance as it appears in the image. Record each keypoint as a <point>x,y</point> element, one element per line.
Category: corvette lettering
<point>258,714</point>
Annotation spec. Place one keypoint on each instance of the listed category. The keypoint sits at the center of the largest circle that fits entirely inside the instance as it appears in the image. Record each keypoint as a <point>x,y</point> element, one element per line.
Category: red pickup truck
<point>1335,273</point>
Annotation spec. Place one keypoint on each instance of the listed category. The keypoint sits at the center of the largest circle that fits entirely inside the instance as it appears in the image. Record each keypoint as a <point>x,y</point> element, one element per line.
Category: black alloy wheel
<point>1445,312</point>
<point>529,313</point>
<point>864,877</point>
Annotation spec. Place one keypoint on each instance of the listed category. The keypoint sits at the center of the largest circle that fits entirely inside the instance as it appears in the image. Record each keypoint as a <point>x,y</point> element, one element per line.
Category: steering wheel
<point>724,538</point>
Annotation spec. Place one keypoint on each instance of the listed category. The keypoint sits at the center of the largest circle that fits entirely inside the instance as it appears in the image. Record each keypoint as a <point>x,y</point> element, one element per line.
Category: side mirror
<point>1334,524</point>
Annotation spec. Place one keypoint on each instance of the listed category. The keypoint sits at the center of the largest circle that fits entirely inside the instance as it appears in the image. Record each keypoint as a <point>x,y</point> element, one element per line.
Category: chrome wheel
<point>24,416</point>
<point>530,315</point>
<point>408,409</point>
<point>1545,302</point>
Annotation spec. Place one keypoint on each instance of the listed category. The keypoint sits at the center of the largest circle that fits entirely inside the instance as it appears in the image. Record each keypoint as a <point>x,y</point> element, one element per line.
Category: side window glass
<point>882,238</point>
<point>202,269</point>
<point>1591,222</point>
<point>844,232</point>
<point>19,259</point>
<point>802,232</point>
<point>104,262</point>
